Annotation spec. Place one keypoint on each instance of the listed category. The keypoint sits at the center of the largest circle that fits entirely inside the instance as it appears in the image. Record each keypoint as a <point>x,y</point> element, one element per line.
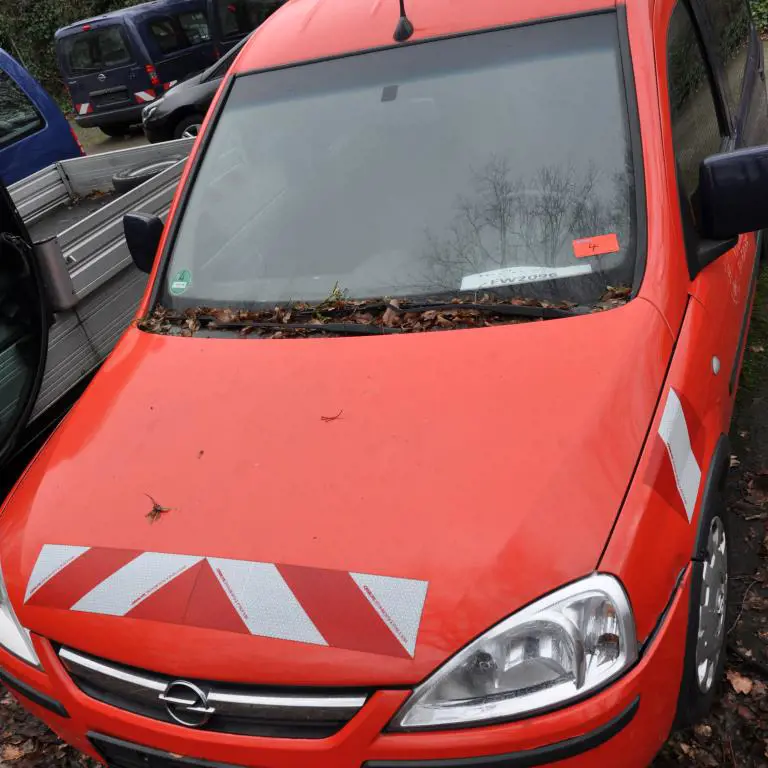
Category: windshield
<point>491,162</point>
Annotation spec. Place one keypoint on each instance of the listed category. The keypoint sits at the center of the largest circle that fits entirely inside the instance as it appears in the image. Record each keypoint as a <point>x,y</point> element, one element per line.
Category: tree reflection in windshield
<point>513,221</point>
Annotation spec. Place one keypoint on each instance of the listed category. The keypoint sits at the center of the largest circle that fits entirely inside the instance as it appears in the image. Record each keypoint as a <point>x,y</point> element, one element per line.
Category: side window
<point>237,17</point>
<point>696,131</point>
<point>731,26</point>
<point>195,27</point>
<point>18,116</point>
<point>165,36</point>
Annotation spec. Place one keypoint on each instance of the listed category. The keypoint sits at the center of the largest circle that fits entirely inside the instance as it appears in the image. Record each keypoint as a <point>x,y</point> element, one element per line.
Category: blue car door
<point>33,131</point>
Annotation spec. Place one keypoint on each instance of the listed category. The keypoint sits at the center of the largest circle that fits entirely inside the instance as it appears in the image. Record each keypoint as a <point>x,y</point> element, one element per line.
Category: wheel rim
<point>190,132</point>
<point>712,604</point>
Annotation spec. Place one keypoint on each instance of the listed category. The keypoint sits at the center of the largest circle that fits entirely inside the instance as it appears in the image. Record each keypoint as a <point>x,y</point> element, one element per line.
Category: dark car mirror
<point>733,193</point>
<point>143,233</point>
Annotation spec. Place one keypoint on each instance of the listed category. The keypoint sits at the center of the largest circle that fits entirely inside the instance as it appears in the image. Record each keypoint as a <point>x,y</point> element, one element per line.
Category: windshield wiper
<point>510,310</point>
<point>345,329</point>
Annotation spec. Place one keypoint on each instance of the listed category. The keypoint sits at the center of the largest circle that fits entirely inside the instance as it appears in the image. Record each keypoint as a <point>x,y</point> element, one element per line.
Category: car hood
<point>329,511</point>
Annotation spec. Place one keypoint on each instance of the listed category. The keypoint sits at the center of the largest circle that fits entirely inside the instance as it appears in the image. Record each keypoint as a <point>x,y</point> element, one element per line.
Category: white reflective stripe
<point>144,96</point>
<point>134,583</point>
<point>673,430</point>
<point>399,602</point>
<point>83,109</point>
<point>171,84</point>
<point>53,558</point>
<point>264,601</point>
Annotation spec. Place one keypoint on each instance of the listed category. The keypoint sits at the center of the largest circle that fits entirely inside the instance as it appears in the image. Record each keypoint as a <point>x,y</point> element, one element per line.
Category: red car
<point>414,456</point>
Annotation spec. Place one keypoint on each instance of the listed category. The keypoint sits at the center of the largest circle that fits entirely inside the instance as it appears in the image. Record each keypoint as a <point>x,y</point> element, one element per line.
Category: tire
<point>126,180</point>
<point>188,127</point>
<point>700,682</point>
<point>117,130</point>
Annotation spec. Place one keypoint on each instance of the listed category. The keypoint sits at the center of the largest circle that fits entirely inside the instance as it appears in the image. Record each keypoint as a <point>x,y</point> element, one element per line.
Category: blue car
<point>33,131</point>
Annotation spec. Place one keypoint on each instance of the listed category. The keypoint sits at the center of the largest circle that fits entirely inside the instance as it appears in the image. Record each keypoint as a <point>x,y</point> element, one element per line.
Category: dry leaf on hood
<point>738,682</point>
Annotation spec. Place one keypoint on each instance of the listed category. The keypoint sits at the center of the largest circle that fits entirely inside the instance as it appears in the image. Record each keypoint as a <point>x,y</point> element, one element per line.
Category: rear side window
<point>96,50</point>
<point>696,128</point>
<point>18,116</point>
<point>195,27</point>
<point>165,35</point>
<point>238,17</point>
<point>731,25</point>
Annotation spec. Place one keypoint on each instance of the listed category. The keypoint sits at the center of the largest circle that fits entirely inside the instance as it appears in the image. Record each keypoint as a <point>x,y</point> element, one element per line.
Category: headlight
<point>14,637</point>
<point>558,649</point>
<point>150,110</point>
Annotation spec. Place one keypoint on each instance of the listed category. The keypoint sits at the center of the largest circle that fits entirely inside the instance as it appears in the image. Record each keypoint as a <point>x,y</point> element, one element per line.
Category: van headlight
<point>556,650</point>
<point>13,637</point>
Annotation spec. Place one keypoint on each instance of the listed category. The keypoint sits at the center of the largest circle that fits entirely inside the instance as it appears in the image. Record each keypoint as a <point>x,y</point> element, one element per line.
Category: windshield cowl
<point>339,316</point>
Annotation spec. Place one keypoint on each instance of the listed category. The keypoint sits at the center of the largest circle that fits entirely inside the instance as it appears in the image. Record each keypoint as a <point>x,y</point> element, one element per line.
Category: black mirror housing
<point>143,233</point>
<point>733,193</point>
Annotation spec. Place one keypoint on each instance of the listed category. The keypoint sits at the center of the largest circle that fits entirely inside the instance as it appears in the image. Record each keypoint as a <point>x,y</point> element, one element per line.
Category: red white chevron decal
<point>355,611</point>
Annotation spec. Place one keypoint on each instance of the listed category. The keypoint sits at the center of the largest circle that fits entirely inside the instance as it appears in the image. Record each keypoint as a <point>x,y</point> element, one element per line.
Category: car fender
<point>657,531</point>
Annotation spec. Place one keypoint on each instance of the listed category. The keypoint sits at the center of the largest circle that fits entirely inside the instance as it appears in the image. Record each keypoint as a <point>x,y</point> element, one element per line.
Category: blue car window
<point>18,116</point>
<point>165,36</point>
<point>195,27</point>
<point>96,49</point>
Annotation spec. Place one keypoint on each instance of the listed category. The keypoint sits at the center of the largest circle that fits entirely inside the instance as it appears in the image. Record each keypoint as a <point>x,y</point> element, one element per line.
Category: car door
<point>24,323</point>
<point>180,45</point>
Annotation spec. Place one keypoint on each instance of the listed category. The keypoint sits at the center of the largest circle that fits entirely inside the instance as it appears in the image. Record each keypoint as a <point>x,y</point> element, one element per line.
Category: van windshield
<point>495,162</point>
<point>96,50</point>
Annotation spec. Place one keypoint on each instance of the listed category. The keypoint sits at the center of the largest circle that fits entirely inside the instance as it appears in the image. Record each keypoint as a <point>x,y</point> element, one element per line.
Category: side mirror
<point>142,235</point>
<point>733,193</point>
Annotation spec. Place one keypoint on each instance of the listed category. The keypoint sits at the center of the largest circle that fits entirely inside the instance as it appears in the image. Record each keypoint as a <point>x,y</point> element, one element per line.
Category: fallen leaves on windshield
<point>340,315</point>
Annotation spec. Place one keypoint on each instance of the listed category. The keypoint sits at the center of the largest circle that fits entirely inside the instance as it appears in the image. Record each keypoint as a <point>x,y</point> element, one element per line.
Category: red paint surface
<point>492,463</point>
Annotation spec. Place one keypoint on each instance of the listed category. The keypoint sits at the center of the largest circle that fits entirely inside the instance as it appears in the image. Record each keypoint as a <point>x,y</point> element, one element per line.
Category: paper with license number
<point>497,278</point>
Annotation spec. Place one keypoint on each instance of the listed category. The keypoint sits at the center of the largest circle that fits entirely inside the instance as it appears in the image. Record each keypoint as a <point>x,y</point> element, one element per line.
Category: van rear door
<point>179,44</point>
<point>102,69</point>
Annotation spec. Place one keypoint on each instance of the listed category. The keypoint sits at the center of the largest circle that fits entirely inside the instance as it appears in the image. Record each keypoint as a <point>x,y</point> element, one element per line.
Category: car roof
<point>303,30</point>
<point>134,11</point>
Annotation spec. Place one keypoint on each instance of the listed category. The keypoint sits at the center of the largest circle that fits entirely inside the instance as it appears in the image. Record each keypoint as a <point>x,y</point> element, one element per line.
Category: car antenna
<point>404,27</point>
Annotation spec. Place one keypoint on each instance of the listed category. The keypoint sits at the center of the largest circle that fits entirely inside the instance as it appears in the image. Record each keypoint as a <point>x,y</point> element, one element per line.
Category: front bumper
<point>624,725</point>
<point>157,130</point>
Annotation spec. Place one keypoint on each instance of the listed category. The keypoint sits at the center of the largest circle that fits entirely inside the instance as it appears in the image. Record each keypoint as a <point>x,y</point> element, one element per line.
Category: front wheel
<point>705,643</point>
<point>188,127</point>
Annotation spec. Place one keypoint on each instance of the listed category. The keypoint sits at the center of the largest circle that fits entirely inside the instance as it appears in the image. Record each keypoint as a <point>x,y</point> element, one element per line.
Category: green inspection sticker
<point>181,282</point>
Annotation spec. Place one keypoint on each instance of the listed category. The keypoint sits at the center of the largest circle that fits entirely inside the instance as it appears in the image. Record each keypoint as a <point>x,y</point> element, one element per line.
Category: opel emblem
<point>186,704</point>
<point>102,77</point>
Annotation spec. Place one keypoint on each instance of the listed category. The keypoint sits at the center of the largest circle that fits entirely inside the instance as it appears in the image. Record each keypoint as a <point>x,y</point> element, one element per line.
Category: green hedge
<point>760,14</point>
<point>27,28</point>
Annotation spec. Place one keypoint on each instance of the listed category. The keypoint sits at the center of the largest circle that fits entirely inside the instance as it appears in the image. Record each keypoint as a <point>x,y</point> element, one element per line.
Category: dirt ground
<point>736,732</point>
<point>95,142</point>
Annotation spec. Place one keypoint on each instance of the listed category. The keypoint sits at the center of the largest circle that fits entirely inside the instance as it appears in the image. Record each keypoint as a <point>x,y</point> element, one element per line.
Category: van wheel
<point>117,130</point>
<point>124,181</point>
<point>705,643</point>
<point>188,127</point>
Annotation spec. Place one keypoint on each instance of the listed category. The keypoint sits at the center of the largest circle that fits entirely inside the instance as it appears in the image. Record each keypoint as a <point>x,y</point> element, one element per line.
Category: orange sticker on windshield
<point>596,246</point>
